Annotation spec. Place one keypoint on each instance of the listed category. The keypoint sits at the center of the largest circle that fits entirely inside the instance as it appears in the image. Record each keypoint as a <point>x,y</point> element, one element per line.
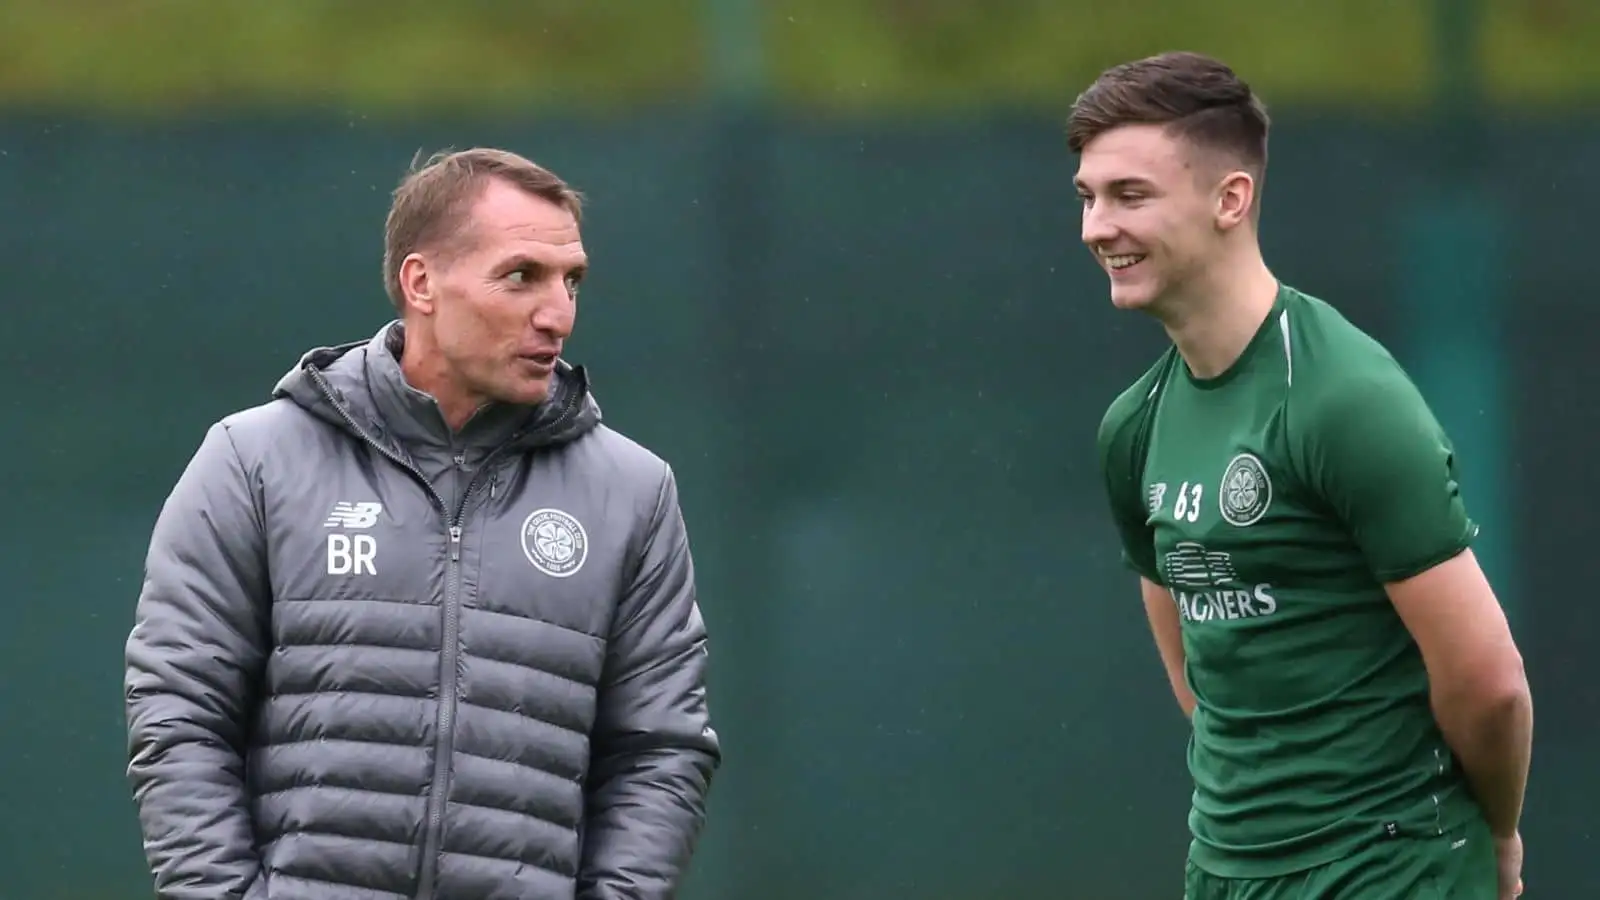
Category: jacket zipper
<point>444,737</point>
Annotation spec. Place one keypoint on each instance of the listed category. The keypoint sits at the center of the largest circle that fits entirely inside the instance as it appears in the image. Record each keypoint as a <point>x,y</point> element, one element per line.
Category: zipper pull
<point>455,543</point>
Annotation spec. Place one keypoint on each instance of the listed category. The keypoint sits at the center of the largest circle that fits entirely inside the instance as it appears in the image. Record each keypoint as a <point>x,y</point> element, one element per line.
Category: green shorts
<point>1460,865</point>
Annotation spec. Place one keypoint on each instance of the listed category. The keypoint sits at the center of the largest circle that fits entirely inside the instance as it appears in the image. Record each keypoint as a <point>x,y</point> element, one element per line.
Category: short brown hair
<point>1195,96</point>
<point>431,203</point>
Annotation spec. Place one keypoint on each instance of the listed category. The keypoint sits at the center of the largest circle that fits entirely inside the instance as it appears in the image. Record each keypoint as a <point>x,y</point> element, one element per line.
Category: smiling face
<point>1172,149</point>
<point>1157,211</point>
<point>494,308</point>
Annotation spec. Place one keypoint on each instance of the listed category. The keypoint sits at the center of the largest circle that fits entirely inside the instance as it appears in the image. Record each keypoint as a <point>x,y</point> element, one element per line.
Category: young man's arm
<point>1120,453</point>
<point>1162,612</point>
<point>1480,693</point>
<point>1389,471</point>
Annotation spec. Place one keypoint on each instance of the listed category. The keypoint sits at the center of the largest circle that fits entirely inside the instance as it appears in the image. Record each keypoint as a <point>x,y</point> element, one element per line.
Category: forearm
<point>198,838</point>
<point>1167,630</point>
<point>644,819</point>
<point>1172,661</point>
<point>654,750</point>
<point>1185,699</point>
<point>195,661</point>
<point>187,771</point>
<point>1493,739</point>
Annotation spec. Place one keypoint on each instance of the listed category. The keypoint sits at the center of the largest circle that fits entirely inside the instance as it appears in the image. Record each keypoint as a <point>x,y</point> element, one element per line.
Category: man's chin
<point>527,393</point>
<point>1131,298</point>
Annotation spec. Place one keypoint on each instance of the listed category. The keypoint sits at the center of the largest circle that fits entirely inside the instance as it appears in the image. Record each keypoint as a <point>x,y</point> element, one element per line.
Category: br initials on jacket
<point>352,554</point>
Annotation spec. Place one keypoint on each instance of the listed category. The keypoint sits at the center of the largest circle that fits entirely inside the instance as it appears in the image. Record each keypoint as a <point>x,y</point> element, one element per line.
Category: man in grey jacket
<point>421,626</point>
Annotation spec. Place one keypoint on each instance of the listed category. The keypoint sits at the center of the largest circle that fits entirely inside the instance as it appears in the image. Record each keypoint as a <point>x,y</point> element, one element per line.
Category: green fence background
<point>877,355</point>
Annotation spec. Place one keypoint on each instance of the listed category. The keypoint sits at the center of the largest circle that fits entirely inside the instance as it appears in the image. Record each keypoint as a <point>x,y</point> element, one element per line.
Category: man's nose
<point>1097,227</point>
<point>555,313</point>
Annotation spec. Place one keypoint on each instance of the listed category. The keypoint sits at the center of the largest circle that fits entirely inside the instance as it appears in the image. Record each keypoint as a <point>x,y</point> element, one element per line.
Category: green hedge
<point>494,55</point>
<point>153,55</point>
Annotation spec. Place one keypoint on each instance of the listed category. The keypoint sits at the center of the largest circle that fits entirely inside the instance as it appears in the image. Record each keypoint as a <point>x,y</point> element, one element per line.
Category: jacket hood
<point>334,383</point>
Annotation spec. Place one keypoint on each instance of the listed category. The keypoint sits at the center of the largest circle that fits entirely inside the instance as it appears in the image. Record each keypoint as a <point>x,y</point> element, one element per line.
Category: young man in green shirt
<point>1360,718</point>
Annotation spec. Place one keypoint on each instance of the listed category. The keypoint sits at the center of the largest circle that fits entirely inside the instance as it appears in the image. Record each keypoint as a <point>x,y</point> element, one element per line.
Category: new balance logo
<point>353,554</point>
<point>353,515</point>
<point>1158,493</point>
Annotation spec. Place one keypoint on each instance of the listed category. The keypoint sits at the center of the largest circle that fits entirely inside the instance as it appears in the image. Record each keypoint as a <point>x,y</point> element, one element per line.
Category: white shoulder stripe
<point>1288,355</point>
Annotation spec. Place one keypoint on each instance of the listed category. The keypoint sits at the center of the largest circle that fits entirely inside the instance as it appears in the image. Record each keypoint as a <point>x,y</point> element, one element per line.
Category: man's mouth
<point>1121,261</point>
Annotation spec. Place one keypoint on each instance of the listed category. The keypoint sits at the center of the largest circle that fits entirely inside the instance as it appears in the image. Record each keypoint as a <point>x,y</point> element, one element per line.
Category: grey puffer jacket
<point>375,660</point>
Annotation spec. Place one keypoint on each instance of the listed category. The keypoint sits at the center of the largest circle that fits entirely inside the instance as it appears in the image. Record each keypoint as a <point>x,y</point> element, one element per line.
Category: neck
<point>425,369</point>
<point>1216,320</point>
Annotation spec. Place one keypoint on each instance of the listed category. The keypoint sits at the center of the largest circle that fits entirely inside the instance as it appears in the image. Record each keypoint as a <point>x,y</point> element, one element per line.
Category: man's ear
<point>1235,198</point>
<point>416,284</point>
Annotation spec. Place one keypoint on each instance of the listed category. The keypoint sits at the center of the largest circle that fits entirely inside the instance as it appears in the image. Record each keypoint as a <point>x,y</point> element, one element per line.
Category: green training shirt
<point>1274,501</point>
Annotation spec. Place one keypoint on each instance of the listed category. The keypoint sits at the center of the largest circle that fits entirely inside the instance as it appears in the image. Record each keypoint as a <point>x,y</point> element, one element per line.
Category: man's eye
<point>520,276</point>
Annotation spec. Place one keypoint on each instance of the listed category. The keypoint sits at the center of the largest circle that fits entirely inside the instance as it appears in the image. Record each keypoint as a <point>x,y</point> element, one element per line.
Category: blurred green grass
<point>397,55</point>
<point>476,56</point>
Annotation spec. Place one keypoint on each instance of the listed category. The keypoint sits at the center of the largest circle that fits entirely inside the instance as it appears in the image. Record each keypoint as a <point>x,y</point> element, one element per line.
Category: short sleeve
<point>1121,464</point>
<point>1381,460</point>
